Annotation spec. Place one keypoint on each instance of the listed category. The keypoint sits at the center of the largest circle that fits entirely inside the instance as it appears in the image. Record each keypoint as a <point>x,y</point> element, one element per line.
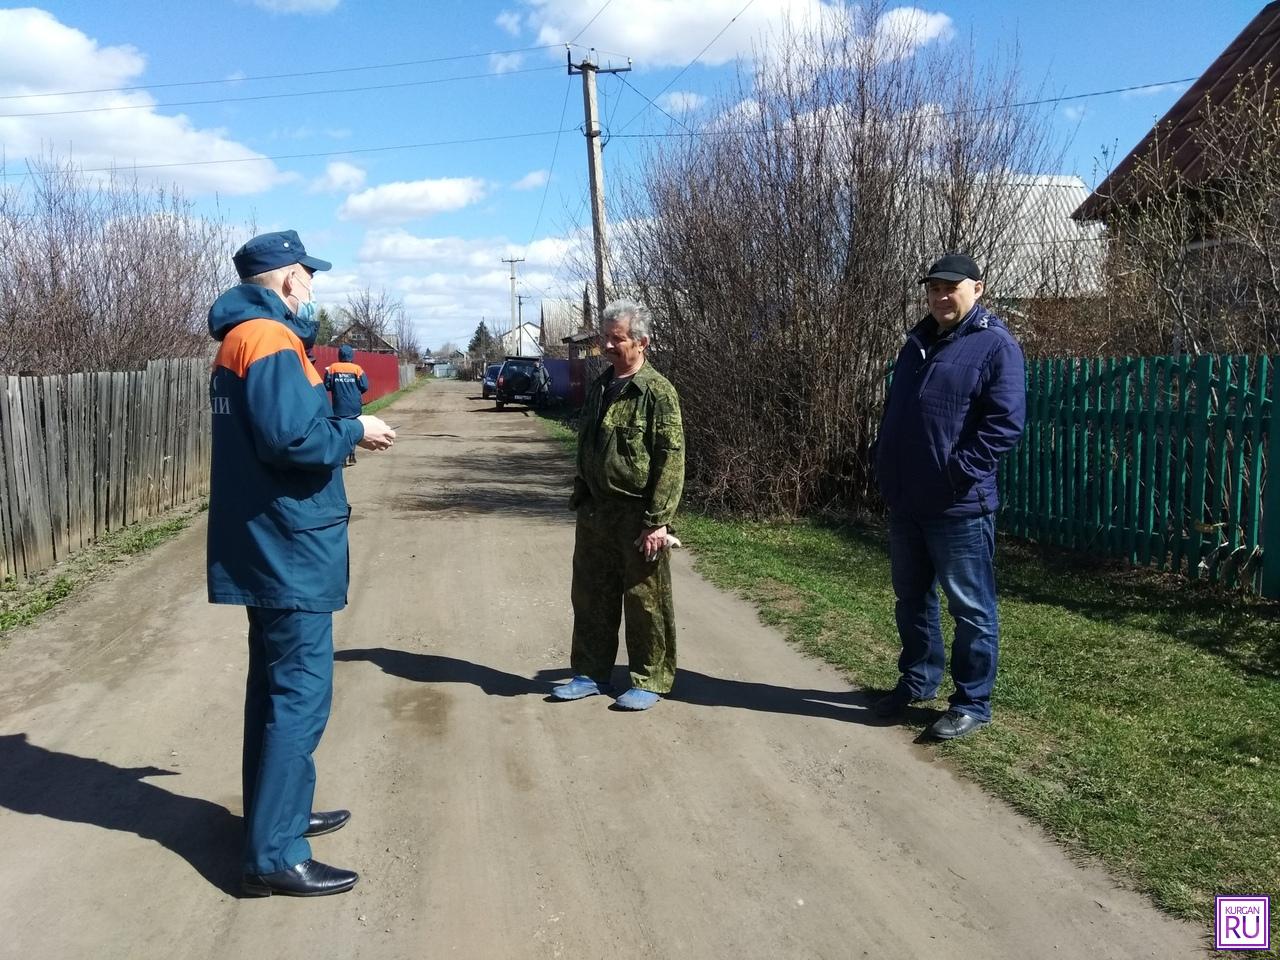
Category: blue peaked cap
<point>270,251</point>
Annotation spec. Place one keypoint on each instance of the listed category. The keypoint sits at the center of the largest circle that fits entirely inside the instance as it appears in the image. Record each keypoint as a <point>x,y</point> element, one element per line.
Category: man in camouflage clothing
<point>626,491</point>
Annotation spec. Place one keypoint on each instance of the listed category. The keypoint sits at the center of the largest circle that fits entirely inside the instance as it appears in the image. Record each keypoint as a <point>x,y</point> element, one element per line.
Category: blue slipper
<point>579,687</point>
<point>637,699</point>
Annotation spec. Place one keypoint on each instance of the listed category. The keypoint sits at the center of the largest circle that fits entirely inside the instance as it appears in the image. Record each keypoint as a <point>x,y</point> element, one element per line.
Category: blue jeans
<point>286,707</point>
<point>955,553</point>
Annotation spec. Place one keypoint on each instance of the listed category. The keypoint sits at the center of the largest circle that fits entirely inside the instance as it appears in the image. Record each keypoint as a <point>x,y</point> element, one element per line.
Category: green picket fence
<point>1158,460</point>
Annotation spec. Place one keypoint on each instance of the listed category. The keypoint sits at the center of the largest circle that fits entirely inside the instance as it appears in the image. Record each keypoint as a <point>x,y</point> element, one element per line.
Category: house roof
<point>388,339</point>
<point>1049,255</point>
<point>1257,46</point>
<point>521,341</point>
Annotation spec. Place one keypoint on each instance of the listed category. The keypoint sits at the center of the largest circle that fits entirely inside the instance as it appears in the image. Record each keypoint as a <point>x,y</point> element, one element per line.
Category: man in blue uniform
<point>278,546</point>
<point>955,407</point>
<point>347,382</point>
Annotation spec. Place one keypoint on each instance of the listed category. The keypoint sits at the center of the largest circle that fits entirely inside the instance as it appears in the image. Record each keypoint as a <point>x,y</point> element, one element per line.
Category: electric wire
<point>282,76</point>
<point>688,65</point>
<point>279,96</point>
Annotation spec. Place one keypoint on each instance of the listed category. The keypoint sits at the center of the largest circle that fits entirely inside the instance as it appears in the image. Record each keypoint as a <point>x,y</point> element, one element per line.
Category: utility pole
<point>513,261</point>
<point>595,167</point>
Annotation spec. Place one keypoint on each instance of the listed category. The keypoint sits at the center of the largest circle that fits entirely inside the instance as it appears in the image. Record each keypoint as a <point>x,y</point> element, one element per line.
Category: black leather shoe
<point>310,878</point>
<point>953,724</point>
<point>327,821</point>
<point>893,703</point>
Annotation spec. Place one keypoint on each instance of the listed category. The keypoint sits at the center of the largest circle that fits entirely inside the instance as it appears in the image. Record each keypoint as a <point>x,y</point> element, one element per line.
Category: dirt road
<point>754,814</point>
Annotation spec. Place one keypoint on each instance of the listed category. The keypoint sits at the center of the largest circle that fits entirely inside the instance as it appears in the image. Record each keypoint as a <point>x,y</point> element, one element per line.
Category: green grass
<point>21,603</point>
<point>1137,718</point>
<point>390,398</point>
<point>562,426</point>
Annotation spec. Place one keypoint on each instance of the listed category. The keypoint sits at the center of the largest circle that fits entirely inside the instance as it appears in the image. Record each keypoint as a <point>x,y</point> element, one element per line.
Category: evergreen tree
<point>483,343</point>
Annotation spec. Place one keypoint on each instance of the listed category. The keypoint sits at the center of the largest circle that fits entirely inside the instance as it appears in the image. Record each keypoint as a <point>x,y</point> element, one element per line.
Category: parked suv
<point>521,380</point>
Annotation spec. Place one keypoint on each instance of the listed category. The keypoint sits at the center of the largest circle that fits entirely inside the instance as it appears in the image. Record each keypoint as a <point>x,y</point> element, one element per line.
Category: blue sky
<point>431,223</point>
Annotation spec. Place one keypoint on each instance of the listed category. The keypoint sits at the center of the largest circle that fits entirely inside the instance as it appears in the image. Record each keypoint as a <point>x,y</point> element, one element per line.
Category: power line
<point>283,76</point>
<point>653,103</point>
<point>733,131</point>
<point>731,22</point>
<point>280,96</point>
<point>591,21</point>
<point>309,156</point>
<point>555,150</point>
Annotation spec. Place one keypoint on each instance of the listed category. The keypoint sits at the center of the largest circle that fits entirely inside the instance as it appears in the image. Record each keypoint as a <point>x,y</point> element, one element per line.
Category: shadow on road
<point>63,786</point>
<point>849,706</point>
<point>433,668</point>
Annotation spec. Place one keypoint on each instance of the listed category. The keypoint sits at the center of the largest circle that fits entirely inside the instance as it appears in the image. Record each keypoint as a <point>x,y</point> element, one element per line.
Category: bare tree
<point>376,312</point>
<point>780,248</point>
<point>407,340</point>
<point>103,274</point>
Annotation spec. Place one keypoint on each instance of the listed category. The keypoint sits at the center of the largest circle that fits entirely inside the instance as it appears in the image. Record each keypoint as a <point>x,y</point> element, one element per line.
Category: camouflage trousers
<point>611,577</point>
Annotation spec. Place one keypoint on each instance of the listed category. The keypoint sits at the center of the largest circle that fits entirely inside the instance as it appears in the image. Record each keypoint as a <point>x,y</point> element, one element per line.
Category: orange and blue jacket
<point>277,505</point>
<point>347,382</point>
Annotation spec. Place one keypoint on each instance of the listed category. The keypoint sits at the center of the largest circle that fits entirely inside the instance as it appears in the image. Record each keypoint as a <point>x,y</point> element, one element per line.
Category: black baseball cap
<point>954,267</point>
<point>270,251</point>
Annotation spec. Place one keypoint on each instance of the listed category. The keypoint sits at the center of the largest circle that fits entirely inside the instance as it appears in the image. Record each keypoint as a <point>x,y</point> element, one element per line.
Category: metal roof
<point>1257,46</point>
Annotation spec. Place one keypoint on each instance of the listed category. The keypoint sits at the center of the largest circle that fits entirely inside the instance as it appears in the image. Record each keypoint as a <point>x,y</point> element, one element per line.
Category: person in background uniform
<point>956,405</point>
<point>278,546</point>
<point>629,479</point>
<point>347,383</point>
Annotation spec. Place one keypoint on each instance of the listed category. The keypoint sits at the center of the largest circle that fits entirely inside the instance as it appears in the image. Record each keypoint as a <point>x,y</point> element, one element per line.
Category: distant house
<point>1049,255</point>
<point>362,338</point>
<point>559,319</point>
<point>522,341</point>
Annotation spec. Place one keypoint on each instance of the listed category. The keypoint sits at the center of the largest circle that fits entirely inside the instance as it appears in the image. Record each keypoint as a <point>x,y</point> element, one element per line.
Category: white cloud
<point>901,31</point>
<point>448,282</point>
<point>664,33</point>
<point>1074,113</point>
<point>509,21</point>
<point>681,101</point>
<point>532,180</point>
<point>297,6</point>
<point>505,62</point>
<point>40,55</point>
<point>403,201</point>
<point>339,175</point>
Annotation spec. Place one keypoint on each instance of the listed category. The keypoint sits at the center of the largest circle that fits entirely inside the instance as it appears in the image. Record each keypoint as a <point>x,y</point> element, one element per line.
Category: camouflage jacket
<point>637,451</point>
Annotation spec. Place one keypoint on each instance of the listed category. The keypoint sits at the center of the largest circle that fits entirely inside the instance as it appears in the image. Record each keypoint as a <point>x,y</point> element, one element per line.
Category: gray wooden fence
<point>87,453</point>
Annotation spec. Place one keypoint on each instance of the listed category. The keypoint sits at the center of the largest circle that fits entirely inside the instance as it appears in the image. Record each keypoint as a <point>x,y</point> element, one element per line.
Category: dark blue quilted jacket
<point>954,409</point>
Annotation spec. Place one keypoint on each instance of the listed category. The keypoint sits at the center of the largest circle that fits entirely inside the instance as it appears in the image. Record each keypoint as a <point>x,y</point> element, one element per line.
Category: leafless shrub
<point>780,248</point>
<point>103,274</point>
<point>1194,264</point>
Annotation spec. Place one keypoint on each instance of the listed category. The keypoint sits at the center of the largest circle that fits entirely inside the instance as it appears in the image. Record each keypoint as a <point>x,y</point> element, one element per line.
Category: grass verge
<point>1139,721</point>
<point>21,603</point>
<point>390,398</point>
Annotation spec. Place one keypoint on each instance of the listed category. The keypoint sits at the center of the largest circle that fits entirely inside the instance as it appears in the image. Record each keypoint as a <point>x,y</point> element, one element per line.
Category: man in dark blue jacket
<point>278,546</point>
<point>347,382</point>
<point>955,406</point>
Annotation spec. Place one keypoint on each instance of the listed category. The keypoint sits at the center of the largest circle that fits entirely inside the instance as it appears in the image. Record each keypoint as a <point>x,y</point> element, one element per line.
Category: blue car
<point>490,382</point>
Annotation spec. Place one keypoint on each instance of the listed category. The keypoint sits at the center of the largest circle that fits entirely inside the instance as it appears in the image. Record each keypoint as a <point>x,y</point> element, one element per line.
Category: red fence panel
<point>383,370</point>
